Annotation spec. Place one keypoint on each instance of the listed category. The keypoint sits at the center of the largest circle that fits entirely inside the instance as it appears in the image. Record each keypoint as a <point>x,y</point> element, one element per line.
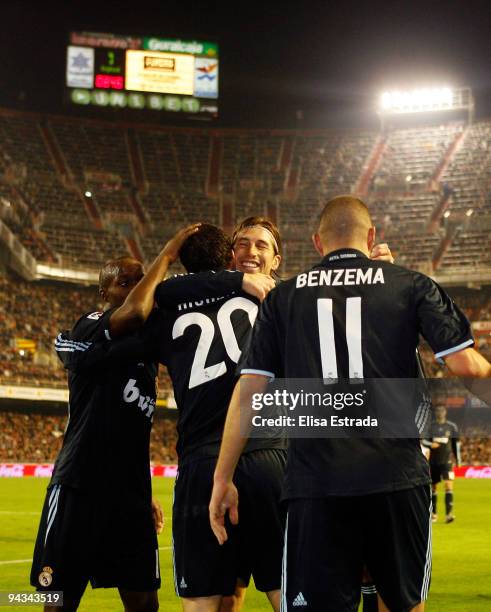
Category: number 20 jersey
<point>201,343</point>
<point>350,317</point>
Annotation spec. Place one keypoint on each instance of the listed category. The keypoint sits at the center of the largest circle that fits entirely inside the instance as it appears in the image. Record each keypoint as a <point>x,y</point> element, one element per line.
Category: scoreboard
<point>167,75</point>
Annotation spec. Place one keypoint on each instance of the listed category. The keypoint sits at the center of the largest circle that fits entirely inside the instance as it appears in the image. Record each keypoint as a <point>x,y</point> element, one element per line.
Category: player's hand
<point>224,498</point>
<point>158,516</point>
<point>172,248</point>
<point>258,285</point>
<point>381,252</point>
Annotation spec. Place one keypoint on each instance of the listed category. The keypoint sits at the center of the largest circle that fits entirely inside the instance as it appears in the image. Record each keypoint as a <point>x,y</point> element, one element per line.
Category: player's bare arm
<point>474,370</point>
<point>224,496</point>
<point>136,308</point>
<point>257,285</point>
<point>158,515</point>
<point>382,252</point>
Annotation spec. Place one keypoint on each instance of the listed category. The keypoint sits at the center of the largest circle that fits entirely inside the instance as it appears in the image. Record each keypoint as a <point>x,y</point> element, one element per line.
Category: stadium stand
<point>145,181</point>
<point>37,437</point>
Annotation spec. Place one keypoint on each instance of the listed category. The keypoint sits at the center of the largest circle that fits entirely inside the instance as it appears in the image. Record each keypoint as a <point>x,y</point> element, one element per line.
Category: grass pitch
<point>461,551</point>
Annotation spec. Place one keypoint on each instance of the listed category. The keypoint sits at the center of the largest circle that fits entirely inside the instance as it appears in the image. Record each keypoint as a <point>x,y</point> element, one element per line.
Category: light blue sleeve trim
<point>439,356</point>
<point>270,375</point>
<point>107,334</point>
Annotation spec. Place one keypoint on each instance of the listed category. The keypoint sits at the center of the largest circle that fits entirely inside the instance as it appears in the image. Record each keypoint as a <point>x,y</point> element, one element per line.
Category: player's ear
<point>371,238</point>
<point>276,262</point>
<point>102,293</point>
<point>316,239</point>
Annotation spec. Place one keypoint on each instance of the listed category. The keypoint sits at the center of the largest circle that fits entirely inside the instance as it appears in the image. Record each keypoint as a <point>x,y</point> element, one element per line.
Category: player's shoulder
<point>89,322</point>
<point>452,425</point>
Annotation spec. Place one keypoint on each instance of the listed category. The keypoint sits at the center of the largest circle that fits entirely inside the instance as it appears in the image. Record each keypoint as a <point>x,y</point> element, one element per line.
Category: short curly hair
<point>207,249</point>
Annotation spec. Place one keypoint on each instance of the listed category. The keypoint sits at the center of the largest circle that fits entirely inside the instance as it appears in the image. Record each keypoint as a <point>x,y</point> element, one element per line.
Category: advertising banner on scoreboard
<point>159,72</point>
<point>80,67</point>
<point>206,78</point>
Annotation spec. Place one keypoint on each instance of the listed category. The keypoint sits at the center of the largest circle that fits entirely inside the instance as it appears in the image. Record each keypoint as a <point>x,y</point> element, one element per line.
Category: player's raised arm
<point>138,303</point>
<point>224,497</point>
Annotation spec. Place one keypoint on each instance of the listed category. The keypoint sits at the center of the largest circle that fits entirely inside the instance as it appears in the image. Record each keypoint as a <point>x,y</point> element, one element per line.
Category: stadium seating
<point>37,436</point>
<point>147,181</point>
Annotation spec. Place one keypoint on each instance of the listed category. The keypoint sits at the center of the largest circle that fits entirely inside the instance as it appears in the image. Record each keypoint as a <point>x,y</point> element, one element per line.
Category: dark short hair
<point>112,268</point>
<point>207,249</point>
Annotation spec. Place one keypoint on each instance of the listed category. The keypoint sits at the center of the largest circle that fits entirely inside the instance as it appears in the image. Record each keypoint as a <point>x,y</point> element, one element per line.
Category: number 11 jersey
<point>352,318</point>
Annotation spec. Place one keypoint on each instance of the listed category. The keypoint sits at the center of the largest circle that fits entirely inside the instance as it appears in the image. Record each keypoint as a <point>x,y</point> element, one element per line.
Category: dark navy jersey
<point>351,318</point>
<point>112,392</point>
<point>447,436</point>
<point>200,341</point>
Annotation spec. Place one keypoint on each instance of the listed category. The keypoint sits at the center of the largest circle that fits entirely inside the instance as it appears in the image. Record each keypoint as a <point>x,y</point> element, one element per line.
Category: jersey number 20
<point>200,373</point>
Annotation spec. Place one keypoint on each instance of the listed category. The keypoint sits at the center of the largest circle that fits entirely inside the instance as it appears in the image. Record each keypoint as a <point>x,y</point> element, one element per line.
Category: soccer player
<point>200,343</point>
<point>351,501</point>
<point>98,522</point>
<point>444,441</point>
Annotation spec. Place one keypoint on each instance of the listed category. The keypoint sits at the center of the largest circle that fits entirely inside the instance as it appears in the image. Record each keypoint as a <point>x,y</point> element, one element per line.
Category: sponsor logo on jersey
<point>46,576</point>
<point>132,394</point>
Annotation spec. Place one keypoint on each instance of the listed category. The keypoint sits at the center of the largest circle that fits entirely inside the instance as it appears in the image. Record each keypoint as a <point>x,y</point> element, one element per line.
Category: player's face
<point>130,273</point>
<point>254,252</point>
<point>440,414</point>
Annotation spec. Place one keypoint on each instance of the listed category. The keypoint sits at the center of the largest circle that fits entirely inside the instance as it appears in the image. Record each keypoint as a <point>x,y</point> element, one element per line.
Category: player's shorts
<point>84,538</point>
<point>203,568</point>
<point>328,542</point>
<point>441,471</point>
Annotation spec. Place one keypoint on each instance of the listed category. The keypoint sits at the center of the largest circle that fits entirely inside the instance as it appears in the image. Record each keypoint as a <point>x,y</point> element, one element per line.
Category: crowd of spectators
<point>37,438</point>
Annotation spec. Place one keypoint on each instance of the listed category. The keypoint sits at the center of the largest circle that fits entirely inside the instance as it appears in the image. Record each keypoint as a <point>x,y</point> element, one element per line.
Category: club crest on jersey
<point>95,315</point>
<point>46,576</point>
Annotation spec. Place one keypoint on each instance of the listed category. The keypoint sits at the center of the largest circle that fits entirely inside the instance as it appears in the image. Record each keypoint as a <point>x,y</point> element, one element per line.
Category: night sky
<point>329,59</point>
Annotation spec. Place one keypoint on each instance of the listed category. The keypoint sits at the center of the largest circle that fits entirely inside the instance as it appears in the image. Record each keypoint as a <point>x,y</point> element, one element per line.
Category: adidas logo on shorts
<point>299,600</point>
<point>183,584</point>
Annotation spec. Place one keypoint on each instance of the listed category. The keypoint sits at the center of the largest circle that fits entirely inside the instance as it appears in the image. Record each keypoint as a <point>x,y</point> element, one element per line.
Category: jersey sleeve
<point>100,354</point>
<point>191,287</point>
<point>444,326</point>
<point>262,355</point>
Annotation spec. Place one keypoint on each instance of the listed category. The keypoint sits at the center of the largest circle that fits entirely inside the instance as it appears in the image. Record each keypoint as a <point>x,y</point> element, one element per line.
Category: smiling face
<point>255,251</point>
<point>120,280</point>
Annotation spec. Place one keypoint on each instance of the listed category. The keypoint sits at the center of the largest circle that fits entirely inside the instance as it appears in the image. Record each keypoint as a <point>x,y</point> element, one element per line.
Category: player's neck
<point>339,246</point>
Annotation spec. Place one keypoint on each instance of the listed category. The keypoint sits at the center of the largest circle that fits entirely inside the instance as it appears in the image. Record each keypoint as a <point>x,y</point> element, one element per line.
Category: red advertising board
<point>18,470</point>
